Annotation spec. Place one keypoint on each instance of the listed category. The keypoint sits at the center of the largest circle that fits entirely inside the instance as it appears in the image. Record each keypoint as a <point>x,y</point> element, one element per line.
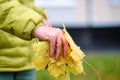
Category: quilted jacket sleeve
<point>19,19</point>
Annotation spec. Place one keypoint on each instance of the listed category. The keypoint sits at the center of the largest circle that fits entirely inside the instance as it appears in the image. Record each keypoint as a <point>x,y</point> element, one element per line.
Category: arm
<point>19,19</point>
<point>24,22</point>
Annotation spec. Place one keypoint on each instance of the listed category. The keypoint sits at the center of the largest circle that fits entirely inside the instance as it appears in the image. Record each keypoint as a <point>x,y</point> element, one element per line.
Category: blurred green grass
<point>108,66</point>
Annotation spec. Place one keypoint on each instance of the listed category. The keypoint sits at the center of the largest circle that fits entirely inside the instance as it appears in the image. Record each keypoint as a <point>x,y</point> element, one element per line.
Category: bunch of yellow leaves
<point>61,68</point>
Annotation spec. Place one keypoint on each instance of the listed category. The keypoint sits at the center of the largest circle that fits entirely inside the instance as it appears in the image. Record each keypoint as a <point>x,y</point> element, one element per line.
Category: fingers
<point>65,45</point>
<point>52,46</point>
<point>58,47</point>
<point>61,46</point>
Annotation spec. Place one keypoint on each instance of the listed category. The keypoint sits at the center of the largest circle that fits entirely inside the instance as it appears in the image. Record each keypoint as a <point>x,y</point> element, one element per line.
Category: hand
<point>55,36</point>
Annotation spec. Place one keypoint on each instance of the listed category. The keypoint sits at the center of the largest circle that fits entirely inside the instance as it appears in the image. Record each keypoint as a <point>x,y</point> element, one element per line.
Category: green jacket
<point>18,20</point>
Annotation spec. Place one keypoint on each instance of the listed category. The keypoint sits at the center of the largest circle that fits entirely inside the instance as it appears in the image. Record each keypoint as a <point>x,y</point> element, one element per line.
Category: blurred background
<point>94,26</point>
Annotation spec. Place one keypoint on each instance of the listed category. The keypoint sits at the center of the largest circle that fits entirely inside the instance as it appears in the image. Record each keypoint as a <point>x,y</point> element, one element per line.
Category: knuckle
<point>53,35</point>
<point>59,30</point>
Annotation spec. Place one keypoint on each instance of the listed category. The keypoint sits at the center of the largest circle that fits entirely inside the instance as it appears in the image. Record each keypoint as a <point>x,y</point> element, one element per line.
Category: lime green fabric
<point>18,20</point>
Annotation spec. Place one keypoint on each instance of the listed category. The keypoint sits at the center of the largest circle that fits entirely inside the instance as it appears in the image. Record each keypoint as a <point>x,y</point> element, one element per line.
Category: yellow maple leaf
<point>42,58</point>
<point>55,70</point>
<point>76,53</point>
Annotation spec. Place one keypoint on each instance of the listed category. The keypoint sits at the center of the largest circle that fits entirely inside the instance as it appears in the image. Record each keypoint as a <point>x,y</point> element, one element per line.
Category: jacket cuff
<point>33,32</point>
